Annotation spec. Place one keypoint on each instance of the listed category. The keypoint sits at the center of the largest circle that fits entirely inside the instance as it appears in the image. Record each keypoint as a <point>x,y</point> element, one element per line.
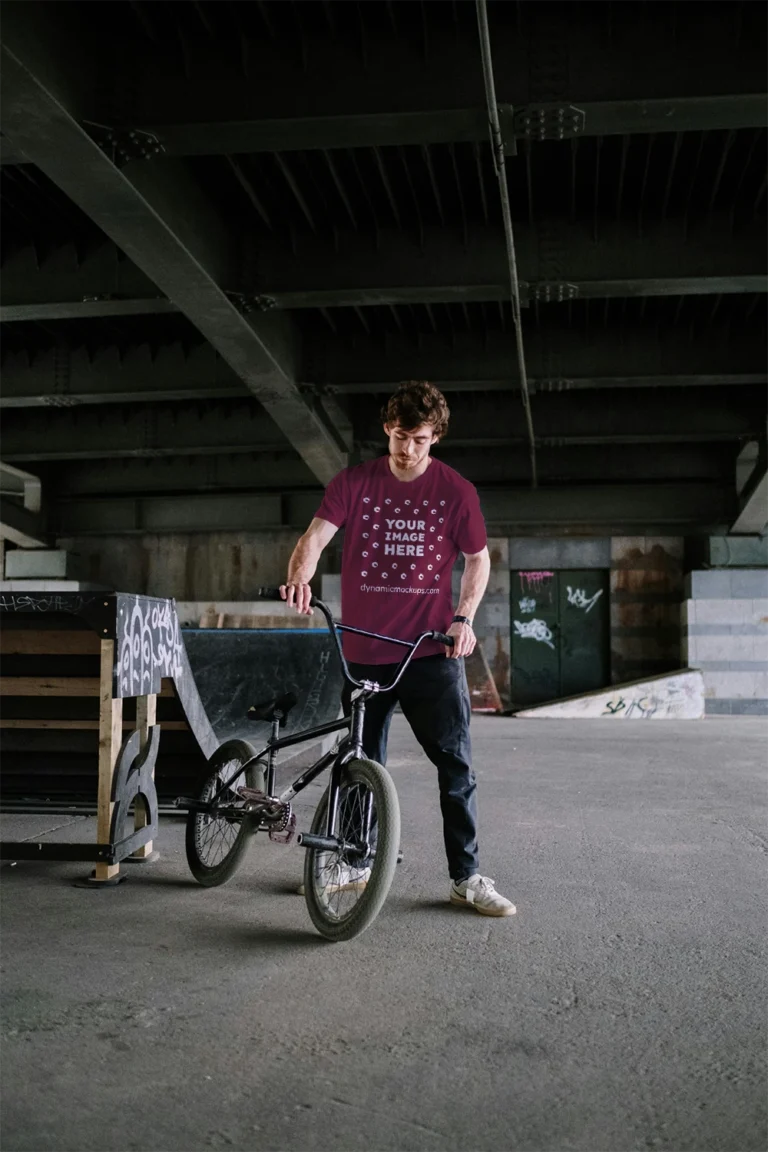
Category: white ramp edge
<point>673,696</point>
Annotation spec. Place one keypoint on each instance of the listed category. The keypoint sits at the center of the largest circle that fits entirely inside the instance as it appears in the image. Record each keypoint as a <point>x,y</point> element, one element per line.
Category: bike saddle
<point>277,707</point>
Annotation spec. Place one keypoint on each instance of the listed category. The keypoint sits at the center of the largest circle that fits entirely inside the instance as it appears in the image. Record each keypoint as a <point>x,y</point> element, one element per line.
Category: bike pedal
<point>251,793</point>
<point>284,835</point>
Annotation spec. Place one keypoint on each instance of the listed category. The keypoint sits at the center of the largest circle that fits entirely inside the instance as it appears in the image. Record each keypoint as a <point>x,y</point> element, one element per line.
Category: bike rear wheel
<point>216,845</point>
<point>344,893</point>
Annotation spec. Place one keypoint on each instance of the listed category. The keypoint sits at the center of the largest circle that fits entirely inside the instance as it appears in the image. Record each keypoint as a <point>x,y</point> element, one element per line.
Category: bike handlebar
<point>271,594</point>
<point>439,637</point>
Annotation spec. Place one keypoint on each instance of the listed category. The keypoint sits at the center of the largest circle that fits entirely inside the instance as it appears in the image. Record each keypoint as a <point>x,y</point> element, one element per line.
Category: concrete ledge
<point>674,696</point>
<point>243,614</point>
<point>50,586</point>
<point>736,707</point>
<point>42,564</point>
<point>719,613</point>
<point>526,552</point>
<point>727,584</point>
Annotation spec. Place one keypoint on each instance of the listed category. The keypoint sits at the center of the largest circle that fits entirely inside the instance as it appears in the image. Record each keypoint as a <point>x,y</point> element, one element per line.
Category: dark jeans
<point>434,697</point>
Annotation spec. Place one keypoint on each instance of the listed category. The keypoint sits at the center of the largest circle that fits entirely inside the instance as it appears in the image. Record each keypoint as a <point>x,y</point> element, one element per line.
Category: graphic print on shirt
<point>437,515</point>
<point>402,545</point>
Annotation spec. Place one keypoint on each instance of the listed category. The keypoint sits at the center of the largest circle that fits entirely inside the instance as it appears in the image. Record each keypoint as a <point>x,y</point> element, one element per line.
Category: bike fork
<point>358,721</point>
<point>333,833</point>
<point>367,818</point>
<point>334,787</point>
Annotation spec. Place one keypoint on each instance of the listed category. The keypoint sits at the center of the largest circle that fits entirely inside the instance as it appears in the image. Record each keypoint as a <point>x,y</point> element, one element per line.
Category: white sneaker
<point>345,879</point>
<point>479,893</point>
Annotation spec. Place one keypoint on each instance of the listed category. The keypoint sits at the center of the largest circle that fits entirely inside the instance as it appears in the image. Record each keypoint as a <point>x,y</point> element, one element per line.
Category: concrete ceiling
<point>229,230</point>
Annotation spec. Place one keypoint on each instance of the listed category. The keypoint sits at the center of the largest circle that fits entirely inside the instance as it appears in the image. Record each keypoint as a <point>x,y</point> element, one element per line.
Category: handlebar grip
<point>268,594</point>
<point>441,638</point>
<point>273,594</point>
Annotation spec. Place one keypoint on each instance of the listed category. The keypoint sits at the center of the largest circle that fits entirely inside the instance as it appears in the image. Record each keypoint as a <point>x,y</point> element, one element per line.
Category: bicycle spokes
<point>215,831</point>
<point>341,876</point>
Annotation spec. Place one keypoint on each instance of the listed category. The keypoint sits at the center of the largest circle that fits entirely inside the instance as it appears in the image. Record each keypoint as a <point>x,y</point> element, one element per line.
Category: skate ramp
<point>204,679</point>
<point>673,696</point>
<point>236,667</point>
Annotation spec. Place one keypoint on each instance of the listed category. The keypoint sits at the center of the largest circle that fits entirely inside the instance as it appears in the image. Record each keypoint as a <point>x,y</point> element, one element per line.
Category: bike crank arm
<point>191,805</point>
<point>329,843</point>
<point>221,811</point>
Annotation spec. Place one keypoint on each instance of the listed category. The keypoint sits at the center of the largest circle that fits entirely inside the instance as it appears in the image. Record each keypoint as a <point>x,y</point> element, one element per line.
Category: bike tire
<point>230,753</point>
<point>369,904</point>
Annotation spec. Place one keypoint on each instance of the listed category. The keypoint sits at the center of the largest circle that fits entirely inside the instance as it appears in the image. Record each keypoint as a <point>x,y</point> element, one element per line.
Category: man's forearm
<point>474,581</point>
<point>303,563</point>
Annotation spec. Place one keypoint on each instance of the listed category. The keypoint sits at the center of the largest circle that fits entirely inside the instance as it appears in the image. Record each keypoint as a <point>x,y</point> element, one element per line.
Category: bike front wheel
<point>345,892</point>
<point>215,844</point>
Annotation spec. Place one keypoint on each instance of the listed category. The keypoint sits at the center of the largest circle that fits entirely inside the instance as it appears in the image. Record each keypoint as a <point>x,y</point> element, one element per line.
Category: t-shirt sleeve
<point>335,503</point>
<point>470,536</point>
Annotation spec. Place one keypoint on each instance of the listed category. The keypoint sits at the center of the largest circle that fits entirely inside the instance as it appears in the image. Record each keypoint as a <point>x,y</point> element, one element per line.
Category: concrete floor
<point>622,1008</point>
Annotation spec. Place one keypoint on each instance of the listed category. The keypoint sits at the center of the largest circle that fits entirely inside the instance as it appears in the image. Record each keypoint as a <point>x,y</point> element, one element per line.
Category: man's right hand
<point>298,596</point>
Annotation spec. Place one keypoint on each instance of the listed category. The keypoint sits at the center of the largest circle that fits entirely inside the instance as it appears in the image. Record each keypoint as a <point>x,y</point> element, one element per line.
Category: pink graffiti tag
<point>534,581</point>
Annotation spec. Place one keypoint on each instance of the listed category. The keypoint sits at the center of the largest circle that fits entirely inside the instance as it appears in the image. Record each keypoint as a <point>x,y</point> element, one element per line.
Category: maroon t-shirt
<point>402,539</point>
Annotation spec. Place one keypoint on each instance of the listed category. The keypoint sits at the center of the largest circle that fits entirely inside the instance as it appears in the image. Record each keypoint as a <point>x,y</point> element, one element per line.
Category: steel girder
<point>160,219</point>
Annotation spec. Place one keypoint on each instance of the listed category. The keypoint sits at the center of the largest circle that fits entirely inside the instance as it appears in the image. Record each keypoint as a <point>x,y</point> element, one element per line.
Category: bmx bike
<point>354,839</point>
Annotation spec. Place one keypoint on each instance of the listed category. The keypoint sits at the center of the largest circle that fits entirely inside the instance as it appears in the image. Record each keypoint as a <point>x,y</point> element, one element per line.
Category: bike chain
<point>282,827</point>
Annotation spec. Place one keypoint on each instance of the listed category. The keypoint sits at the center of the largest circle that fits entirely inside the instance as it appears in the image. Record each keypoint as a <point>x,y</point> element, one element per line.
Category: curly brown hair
<point>417,402</point>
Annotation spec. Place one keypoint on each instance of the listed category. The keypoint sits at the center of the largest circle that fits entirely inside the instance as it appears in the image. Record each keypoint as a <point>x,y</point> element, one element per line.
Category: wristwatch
<point>461,620</point>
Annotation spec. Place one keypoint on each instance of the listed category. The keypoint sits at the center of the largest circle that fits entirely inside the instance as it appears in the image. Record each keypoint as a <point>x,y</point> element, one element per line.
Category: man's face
<point>410,447</point>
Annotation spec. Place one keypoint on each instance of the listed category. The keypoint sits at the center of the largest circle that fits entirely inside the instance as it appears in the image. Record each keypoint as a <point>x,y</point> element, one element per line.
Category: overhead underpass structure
<point>230,230</point>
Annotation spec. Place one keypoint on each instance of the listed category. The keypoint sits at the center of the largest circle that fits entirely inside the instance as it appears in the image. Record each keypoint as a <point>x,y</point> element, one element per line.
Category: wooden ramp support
<point>110,739</point>
<point>141,655</point>
<point>146,716</point>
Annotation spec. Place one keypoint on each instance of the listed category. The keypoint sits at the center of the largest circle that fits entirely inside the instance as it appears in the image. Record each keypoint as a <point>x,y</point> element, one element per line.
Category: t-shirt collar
<point>412,484</point>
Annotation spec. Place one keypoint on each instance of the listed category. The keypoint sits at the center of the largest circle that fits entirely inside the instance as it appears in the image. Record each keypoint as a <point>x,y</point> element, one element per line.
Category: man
<point>407,516</point>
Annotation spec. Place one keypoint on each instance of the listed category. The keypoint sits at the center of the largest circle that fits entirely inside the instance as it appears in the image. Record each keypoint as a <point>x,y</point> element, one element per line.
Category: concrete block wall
<point>542,553</point>
<point>41,564</point>
<point>725,629</point>
<point>646,577</point>
<point>646,592</point>
<point>492,619</point>
<point>646,581</point>
<point>203,566</point>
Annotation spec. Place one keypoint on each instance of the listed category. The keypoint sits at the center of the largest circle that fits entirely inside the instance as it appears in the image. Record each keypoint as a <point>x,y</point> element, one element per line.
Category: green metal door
<point>560,634</point>
<point>534,631</point>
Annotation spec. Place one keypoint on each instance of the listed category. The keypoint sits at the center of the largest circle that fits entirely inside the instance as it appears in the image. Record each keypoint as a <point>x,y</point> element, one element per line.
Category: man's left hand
<point>464,640</point>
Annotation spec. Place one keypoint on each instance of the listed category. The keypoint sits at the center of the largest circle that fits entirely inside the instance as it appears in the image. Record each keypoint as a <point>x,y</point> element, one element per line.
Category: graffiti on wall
<point>674,700</point>
<point>579,599</point>
<point>527,605</point>
<point>35,602</point>
<point>535,581</point>
<point>534,630</point>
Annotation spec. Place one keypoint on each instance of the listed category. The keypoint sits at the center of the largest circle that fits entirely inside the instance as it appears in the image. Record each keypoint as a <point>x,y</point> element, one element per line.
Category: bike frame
<point>350,749</point>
